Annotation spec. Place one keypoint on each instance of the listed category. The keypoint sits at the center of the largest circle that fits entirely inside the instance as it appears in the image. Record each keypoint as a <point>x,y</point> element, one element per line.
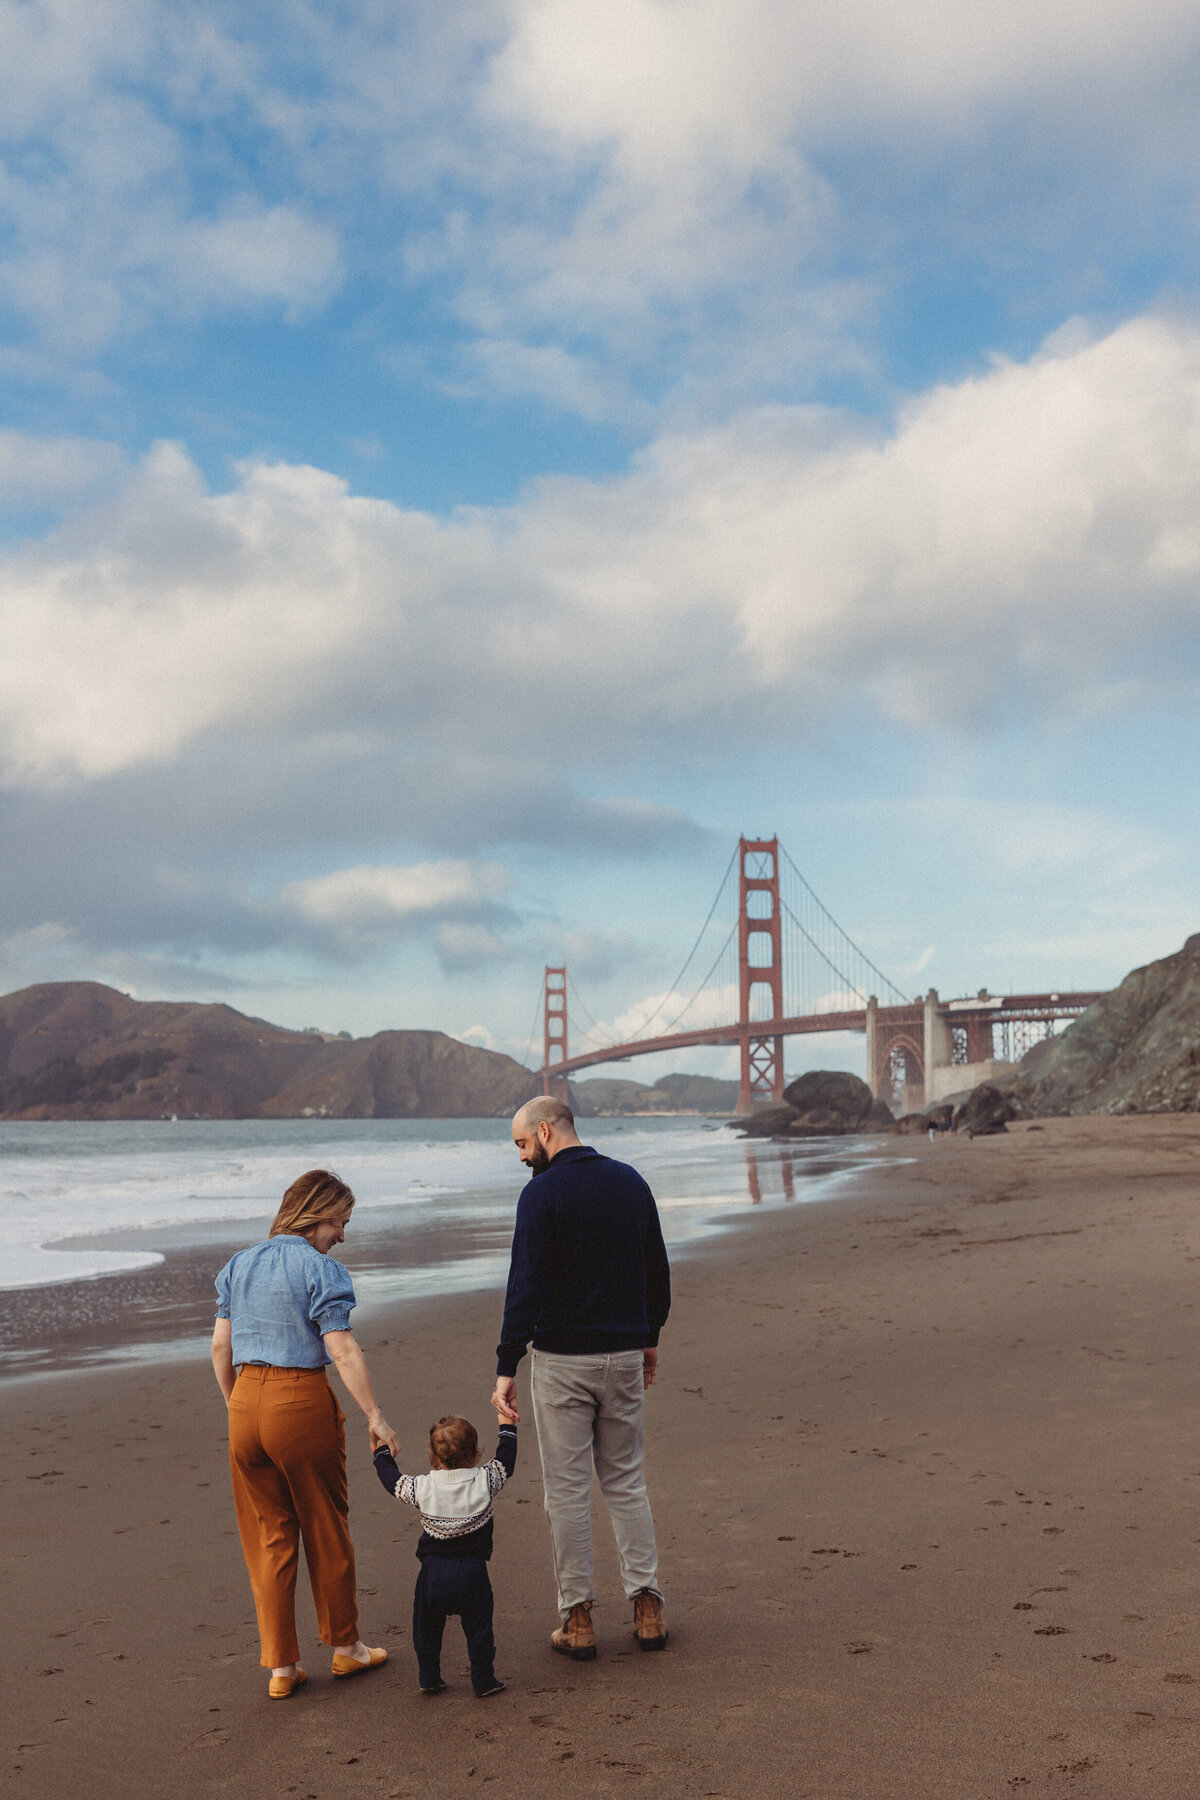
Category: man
<point>590,1285</point>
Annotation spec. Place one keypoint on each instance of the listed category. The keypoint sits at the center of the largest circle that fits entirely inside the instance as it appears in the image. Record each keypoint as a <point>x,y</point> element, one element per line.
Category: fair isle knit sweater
<point>455,1504</point>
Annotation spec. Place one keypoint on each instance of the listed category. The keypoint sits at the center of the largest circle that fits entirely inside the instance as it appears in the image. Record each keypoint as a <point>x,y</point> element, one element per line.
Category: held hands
<point>382,1433</point>
<point>649,1368</point>
<point>504,1399</point>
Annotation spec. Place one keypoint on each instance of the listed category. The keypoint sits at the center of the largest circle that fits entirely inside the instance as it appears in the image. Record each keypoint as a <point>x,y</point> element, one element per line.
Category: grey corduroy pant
<point>588,1411</point>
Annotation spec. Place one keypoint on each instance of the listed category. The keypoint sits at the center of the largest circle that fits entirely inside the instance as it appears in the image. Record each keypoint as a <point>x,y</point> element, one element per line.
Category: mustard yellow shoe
<point>281,1686</point>
<point>346,1665</point>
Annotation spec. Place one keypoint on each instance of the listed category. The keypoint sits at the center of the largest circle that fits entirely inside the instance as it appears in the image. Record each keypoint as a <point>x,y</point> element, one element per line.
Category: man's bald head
<point>544,1109</point>
<point>544,1126</point>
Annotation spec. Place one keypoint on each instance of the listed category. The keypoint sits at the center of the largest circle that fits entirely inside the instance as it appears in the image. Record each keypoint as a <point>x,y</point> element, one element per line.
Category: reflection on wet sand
<point>772,1170</point>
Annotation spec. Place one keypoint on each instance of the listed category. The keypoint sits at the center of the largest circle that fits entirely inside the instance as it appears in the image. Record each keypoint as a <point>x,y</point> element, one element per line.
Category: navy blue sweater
<point>589,1269</point>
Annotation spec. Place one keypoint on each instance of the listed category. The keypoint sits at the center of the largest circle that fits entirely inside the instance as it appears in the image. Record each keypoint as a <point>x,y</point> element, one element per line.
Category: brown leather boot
<point>577,1638</point>
<point>648,1623</point>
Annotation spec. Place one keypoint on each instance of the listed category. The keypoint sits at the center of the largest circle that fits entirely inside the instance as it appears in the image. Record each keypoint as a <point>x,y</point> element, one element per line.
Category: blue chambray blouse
<point>281,1296</point>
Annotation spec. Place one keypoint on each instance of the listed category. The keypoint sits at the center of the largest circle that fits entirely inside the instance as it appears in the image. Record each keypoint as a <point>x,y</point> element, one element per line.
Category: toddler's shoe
<point>435,1687</point>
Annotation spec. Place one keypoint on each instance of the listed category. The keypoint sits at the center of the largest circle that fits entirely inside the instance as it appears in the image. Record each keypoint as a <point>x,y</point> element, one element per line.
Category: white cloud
<point>651,198</point>
<point>618,199</point>
<point>1024,541</point>
<point>655,1015</point>
<point>459,906</point>
<point>122,207</point>
<point>41,471</point>
<point>371,898</point>
<point>257,254</point>
<point>669,84</point>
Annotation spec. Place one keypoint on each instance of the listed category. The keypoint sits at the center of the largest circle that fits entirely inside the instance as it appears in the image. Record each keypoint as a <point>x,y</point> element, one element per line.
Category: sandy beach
<point>924,1466</point>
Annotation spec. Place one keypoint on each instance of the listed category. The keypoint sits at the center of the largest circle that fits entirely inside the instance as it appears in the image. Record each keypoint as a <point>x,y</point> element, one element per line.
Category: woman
<point>283,1312</point>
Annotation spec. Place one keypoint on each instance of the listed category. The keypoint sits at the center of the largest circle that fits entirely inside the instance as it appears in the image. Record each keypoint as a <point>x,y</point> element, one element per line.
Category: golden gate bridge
<point>783,967</point>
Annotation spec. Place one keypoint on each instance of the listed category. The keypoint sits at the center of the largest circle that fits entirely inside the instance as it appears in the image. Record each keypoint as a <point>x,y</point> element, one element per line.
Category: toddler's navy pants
<point>449,1585</point>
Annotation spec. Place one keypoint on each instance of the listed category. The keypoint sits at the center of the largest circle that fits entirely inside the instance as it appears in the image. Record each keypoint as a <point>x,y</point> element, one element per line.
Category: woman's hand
<point>382,1433</point>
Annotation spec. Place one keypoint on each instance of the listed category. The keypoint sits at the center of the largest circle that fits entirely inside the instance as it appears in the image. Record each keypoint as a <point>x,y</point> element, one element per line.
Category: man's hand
<point>504,1399</point>
<point>649,1368</point>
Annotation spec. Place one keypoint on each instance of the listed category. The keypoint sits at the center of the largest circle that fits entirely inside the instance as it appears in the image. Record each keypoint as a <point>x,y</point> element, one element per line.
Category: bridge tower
<point>554,1030</point>
<point>760,970</point>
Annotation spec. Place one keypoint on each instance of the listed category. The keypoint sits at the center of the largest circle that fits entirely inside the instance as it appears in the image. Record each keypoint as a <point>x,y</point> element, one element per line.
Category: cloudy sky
<point>462,465</point>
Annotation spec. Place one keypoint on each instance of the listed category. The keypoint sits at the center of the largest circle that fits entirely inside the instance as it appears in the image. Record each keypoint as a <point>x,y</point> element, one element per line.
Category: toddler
<point>455,1504</point>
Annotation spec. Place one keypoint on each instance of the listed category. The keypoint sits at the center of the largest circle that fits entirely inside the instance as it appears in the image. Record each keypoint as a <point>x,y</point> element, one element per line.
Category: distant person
<point>283,1312</point>
<point>590,1286</point>
<point>455,1546</point>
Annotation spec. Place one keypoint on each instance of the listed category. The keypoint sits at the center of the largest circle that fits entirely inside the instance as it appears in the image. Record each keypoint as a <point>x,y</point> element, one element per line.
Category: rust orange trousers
<point>287,1455</point>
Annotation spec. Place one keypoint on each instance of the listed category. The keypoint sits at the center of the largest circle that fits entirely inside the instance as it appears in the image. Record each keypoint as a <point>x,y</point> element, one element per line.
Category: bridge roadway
<point>995,1010</point>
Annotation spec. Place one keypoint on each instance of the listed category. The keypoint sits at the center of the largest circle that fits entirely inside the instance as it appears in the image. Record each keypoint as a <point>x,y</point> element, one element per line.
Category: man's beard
<point>539,1161</point>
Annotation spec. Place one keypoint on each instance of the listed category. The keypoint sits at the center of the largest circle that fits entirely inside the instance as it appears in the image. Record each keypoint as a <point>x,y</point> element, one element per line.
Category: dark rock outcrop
<point>830,1102</point>
<point>1137,1050</point>
<point>880,1117</point>
<point>79,1050</point>
<point>768,1122</point>
<point>823,1103</point>
<point>986,1110</point>
<point>910,1125</point>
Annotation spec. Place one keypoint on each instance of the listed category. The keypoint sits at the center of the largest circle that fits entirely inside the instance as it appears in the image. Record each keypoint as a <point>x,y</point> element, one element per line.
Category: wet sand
<point>925,1469</point>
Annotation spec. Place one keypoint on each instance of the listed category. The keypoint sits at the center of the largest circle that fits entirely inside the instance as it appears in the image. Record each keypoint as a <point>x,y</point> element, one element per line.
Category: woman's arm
<point>222,1355</point>
<point>351,1365</point>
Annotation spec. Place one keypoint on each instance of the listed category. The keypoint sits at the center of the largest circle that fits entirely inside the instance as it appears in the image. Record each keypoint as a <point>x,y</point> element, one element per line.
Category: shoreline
<point>115,1320</point>
<point>924,1476</point>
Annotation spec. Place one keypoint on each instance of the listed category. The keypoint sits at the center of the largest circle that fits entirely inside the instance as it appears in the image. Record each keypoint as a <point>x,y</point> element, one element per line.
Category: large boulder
<point>880,1117</point>
<point>767,1122</point>
<point>823,1103</point>
<point>828,1102</point>
<point>986,1110</point>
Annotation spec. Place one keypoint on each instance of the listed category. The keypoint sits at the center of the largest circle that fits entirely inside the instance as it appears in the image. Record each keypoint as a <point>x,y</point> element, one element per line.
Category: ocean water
<point>110,1232</point>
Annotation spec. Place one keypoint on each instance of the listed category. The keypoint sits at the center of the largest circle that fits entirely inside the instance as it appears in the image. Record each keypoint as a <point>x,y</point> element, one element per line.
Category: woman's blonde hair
<point>311,1199</point>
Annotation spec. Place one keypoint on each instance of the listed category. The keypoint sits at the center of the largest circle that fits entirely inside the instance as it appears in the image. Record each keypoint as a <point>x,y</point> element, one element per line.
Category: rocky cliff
<point>1135,1051</point>
<point>79,1050</point>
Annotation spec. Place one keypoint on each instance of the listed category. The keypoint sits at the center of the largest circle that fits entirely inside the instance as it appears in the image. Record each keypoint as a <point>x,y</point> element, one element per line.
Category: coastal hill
<point>79,1050</point>
<point>600,1096</point>
<point>1136,1050</point>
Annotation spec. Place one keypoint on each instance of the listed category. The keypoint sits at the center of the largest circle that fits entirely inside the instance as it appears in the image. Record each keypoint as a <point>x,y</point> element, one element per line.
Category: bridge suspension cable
<point>838,952</point>
<point>851,987</point>
<point>603,1037</point>
<point>644,1028</point>
<point>688,1004</point>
